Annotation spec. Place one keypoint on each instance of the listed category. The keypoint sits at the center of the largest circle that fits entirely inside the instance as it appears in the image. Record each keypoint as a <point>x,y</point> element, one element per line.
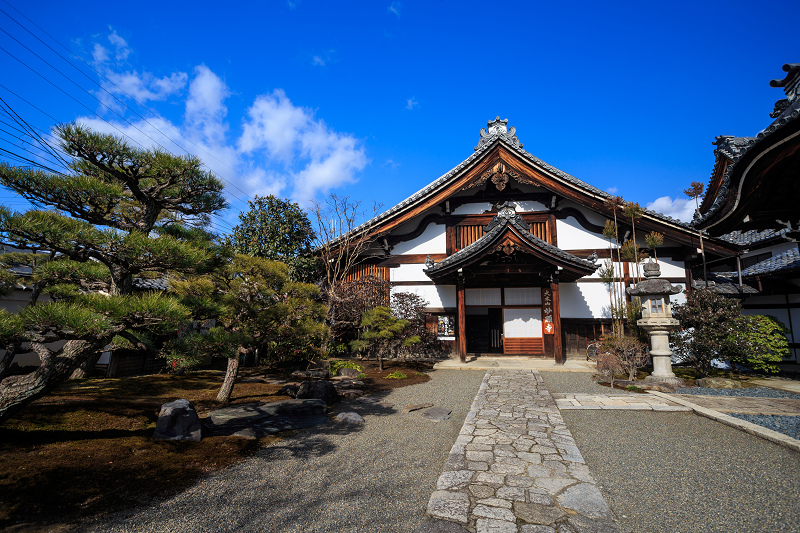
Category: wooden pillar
<point>559,349</point>
<point>461,332</point>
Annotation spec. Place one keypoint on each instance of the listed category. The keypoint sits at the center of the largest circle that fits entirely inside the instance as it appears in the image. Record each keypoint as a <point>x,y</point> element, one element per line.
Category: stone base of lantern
<point>662,372</point>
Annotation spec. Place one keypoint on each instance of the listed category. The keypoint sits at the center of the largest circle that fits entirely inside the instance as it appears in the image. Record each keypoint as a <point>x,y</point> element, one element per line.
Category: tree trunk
<point>230,380</point>
<point>86,368</point>
<point>18,391</point>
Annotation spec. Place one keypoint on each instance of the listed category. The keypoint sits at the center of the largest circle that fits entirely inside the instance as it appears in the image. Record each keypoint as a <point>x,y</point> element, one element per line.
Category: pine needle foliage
<point>111,217</point>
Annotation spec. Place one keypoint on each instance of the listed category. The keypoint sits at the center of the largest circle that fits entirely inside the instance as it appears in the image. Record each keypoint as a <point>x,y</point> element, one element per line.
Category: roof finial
<point>498,128</point>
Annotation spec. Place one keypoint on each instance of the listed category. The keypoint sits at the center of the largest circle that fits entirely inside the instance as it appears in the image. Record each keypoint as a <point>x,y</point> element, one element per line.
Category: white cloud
<point>682,209</point>
<point>395,8</point>
<point>121,48</point>
<point>411,103</point>
<point>612,190</point>
<point>99,53</point>
<point>282,149</point>
<point>318,61</point>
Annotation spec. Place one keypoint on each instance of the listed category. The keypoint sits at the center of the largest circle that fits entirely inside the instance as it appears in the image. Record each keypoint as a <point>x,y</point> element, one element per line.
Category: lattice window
<point>539,229</point>
<point>466,235</point>
<point>360,271</point>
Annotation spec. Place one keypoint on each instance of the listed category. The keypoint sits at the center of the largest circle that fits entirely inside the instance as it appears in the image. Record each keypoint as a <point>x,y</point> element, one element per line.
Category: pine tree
<point>119,213</point>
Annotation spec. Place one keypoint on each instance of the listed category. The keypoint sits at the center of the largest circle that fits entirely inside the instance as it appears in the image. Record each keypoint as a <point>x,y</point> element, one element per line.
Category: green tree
<point>117,214</point>
<point>257,309</point>
<point>279,230</point>
<point>709,324</point>
<point>762,342</point>
<point>382,333</point>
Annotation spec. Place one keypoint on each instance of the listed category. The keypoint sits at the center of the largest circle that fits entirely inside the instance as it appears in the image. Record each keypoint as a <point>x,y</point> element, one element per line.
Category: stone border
<point>749,427</point>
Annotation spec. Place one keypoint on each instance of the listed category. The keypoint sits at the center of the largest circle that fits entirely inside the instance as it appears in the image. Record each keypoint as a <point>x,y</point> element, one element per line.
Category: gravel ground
<point>332,478</point>
<point>676,472</point>
<point>578,382</point>
<point>752,392</point>
<point>788,425</point>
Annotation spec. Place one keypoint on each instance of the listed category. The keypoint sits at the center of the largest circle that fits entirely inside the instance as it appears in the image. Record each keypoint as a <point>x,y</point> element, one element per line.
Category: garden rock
<point>178,420</point>
<point>417,407</point>
<point>260,419</point>
<point>433,525</point>
<point>320,390</point>
<point>349,372</point>
<point>350,393</point>
<point>350,417</point>
<point>314,374</point>
<point>290,389</point>
<point>719,383</point>
<point>437,414</point>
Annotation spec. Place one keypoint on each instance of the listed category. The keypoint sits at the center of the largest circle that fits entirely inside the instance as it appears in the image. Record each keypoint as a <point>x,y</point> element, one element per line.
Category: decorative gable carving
<point>498,129</point>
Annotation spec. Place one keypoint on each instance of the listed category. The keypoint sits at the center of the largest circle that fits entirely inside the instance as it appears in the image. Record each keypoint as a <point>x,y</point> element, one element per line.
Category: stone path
<point>644,402</point>
<point>515,468</point>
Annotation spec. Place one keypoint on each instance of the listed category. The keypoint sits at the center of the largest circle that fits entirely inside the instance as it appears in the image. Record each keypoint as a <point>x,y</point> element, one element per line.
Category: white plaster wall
<point>530,205</point>
<point>571,236</point>
<point>435,295</point>
<point>591,216</point>
<point>473,209</point>
<point>671,268</point>
<point>583,300</point>
<point>413,272</point>
<point>432,241</point>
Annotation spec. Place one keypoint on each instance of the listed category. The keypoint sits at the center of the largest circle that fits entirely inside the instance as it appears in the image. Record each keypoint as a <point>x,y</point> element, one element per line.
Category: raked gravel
<point>751,392</point>
<point>676,472</point>
<point>332,478</point>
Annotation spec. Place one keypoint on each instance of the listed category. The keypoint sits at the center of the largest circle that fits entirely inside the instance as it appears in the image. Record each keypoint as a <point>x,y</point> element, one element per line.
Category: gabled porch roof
<point>508,234</point>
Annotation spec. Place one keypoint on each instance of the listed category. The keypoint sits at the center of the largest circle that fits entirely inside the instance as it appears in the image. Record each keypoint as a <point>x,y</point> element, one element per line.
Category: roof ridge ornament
<point>498,129</point>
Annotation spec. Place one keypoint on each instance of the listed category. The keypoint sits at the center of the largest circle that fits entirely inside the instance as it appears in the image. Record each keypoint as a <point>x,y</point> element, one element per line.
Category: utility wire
<point>247,196</point>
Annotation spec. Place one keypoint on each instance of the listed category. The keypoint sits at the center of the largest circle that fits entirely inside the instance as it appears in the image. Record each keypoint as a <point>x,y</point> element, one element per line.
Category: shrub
<point>336,365</point>
<point>709,323</point>
<point>761,341</point>
<point>629,353</point>
<point>396,375</point>
<point>608,366</point>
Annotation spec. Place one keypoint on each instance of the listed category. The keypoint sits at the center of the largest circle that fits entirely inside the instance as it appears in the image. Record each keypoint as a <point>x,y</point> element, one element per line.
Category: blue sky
<point>373,100</point>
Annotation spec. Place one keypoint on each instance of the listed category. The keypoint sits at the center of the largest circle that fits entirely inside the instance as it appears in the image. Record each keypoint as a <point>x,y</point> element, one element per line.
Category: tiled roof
<point>731,146</point>
<point>489,140</point>
<point>723,285</point>
<point>499,224</point>
<point>785,262</point>
<point>788,115</point>
<point>747,238</point>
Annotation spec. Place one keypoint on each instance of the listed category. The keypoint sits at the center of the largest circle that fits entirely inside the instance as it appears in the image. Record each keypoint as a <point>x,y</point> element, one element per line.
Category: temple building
<point>753,202</point>
<point>506,249</point>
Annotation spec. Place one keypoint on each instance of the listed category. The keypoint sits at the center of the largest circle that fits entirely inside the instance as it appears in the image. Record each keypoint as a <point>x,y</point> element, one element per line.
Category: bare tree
<point>695,191</point>
<point>342,242</point>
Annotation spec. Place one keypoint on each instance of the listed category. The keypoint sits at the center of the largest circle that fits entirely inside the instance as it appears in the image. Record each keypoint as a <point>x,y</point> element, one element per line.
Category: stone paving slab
<point>638,402</point>
<point>515,467</point>
<point>745,404</point>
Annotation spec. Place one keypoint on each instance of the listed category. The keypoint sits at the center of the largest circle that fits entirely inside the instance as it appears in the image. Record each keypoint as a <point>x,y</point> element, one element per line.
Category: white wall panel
<point>432,241</point>
<point>571,236</point>
<point>411,272</point>
<point>583,300</point>
<point>435,295</point>
<point>530,205</point>
<point>473,209</point>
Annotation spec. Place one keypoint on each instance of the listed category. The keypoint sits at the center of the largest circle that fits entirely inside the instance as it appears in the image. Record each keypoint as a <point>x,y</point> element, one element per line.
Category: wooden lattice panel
<point>466,235</point>
<point>360,271</point>
<point>539,229</point>
<point>523,345</point>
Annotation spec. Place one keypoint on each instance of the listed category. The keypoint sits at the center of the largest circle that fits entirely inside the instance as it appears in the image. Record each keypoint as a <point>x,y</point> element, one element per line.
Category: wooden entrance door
<point>522,331</point>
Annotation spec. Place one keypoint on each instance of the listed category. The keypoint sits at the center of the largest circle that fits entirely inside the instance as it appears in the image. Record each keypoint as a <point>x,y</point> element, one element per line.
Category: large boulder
<point>318,390</point>
<point>265,418</point>
<point>349,372</point>
<point>178,420</point>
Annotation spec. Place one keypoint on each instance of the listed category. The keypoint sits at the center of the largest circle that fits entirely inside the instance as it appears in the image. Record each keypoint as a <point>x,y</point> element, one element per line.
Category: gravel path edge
<point>749,427</point>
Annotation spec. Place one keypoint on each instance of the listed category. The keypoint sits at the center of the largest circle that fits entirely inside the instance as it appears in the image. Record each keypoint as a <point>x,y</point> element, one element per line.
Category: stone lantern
<point>657,320</point>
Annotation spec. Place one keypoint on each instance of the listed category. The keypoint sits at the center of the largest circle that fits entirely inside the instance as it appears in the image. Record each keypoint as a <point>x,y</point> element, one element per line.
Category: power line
<point>247,196</point>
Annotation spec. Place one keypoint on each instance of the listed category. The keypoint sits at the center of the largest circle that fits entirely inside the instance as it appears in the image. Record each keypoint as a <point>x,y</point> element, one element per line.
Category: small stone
<point>586,500</point>
<point>434,525</point>
<point>458,479</point>
<point>417,407</point>
<point>489,478</point>
<point>481,491</point>
<point>554,485</point>
<point>349,372</point>
<point>495,513</point>
<point>534,513</point>
<point>581,524</point>
<point>487,525</point>
<point>495,502</point>
<point>541,499</point>
<point>511,493</point>
<point>519,481</point>
<point>529,528</point>
<point>350,417</point>
<point>437,414</point>
<point>449,505</point>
